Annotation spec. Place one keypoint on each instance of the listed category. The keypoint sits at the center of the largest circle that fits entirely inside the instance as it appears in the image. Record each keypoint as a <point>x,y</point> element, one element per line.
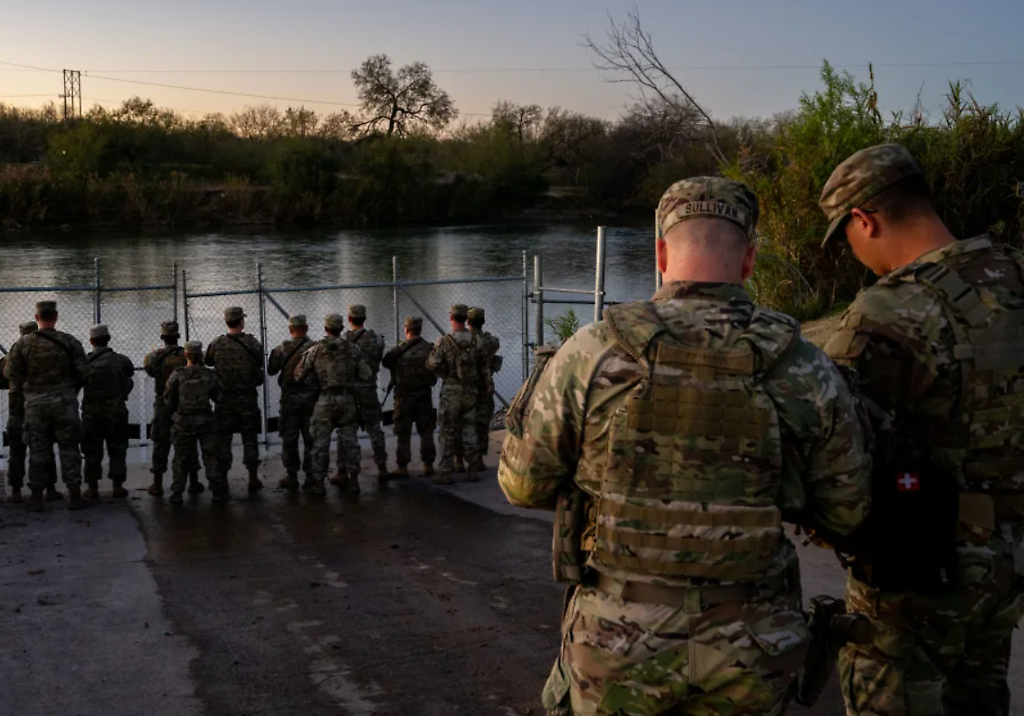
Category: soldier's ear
<point>661,250</point>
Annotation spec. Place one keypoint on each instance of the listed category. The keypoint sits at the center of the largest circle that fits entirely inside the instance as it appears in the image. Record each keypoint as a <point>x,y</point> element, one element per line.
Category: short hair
<point>357,320</point>
<point>47,315</point>
<point>235,323</point>
<point>710,234</point>
<point>413,331</point>
<point>903,200</point>
<point>101,341</point>
<point>476,322</point>
<point>333,331</point>
<point>459,317</point>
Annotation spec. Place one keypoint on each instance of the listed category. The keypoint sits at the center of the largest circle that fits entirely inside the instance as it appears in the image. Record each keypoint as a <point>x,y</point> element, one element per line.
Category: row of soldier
<point>203,399</point>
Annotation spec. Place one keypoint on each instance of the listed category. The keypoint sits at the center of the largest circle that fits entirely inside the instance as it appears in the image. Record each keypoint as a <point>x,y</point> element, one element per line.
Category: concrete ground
<point>411,600</point>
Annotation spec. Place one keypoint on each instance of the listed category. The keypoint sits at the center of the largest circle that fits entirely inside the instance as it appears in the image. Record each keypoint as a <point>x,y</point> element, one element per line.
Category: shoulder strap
<point>63,346</point>
<point>355,335</point>
<point>250,351</point>
<point>774,335</point>
<point>164,354</point>
<point>296,349</point>
<point>634,326</point>
<point>959,294</point>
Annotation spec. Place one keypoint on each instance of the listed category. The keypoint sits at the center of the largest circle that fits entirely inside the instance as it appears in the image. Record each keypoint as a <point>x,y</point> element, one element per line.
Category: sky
<point>476,49</point>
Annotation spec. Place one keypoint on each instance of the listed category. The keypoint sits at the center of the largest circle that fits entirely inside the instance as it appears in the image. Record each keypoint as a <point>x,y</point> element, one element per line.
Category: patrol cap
<point>235,313</point>
<point>28,327</point>
<point>169,329</point>
<point>862,176</point>
<point>46,308</point>
<point>414,323</point>
<point>297,321</point>
<point>194,348</point>
<point>335,322</point>
<point>100,330</point>
<point>708,197</point>
<point>459,309</point>
<point>477,313</point>
<point>357,310</point>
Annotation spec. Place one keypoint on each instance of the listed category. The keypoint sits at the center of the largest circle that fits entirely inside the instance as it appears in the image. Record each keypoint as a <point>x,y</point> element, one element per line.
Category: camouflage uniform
<point>934,345</point>
<point>190,393</point>
<point>105,413</point>
<point>16,426</point>
<point>337,366</point>
<point>297,402</point>
<point>365,393</point>
<point>49,367</point>
<point>485,405</point>
<point>414,400</point>
<point>458,360</point>
<point>160,365</point>
<point>238,359</point>
<point>695,423</point>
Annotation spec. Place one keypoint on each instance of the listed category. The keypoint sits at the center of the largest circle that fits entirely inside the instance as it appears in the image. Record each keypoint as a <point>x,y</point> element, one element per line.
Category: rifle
<point>388,416</point>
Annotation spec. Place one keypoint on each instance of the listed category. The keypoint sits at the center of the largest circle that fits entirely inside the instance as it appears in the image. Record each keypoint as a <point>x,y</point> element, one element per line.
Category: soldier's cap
<point>100,330</point>
<point>235,313</point>
<point>28,327</point>
<point>357,310</point>
<point>459,309</point>
<point>335,322</point>
<point>414,322</point>
<point>194,348</point>
<point>707,197</point>
<point>476,312</point>
<point>297,321</point>
<point>46,307</point>
<point>862,176</point>
<point>169,329</point>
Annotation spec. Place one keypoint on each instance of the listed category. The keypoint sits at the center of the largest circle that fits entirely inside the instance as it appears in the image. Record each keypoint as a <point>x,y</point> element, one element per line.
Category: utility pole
<point>72,94</point>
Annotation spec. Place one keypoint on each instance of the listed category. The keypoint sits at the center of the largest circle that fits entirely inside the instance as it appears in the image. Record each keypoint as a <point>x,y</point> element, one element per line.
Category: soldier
<point>105,413</point>
<point>49,367</point>
<point>159,365</point>
<point>338,366</point>
<point>367,402</point>
<point>16,437</point>
<point>485,406</point>
<point>190,395</point>
<point>414,401</point>
<point>238,358</point>
<point>675,437</point>
<point>936,344</point>
<point>459,361</point>
<point>297,402</point>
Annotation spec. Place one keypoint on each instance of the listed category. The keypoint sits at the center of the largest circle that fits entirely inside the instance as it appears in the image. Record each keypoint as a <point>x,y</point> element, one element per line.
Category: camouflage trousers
<point>185,437</point>
<point>415,410</point>
<point>19,454</point>
<point>52,422</point>
<point>484,417</point>
<point>296,412</point>
<point>160,434</point>
<point>238,413</point>
<point>620,657</point>
<point>334,411</point>
<point>946,655</point>
<point>107,423</point>
<point>456,417</point>
<point>368,412</point>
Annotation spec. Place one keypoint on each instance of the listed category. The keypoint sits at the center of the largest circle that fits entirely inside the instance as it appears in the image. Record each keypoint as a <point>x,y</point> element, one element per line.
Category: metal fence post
<point>174,282</point>
<point>599,282</point>
<point>97,313</point>
<point>394,298</point>
<point>538,301</point>
<point>524,320</point>
<point>184,301</point>
<point>263,343</point>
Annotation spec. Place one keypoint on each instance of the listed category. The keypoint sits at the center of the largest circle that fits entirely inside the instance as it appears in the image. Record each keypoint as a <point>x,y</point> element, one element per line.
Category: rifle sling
<point>252,354</point>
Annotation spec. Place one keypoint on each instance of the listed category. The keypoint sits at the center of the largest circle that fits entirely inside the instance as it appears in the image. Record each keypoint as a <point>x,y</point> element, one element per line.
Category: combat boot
<point>402,471</point>
<point>75,501</point>
<point>119,493</point>
<point>194,486</point>
<point>317,489</point>
<point>92,490</point>
<point>255,483</point>
<point>221,494</point>
<point>445,478</point>
<point>16,498</point>
<point>53,495</point>
<point>176,498</point>
<point>339,478</point>
<point>382,472</point>
<point>309,484</point>
<point>35,500</point>
<point>460,467</point>
<point>472,475</point>
<point>477,465</point>
<point>353,484</point>
<point>428,469</point>
<point>157,488</point>
<point>290,482</point>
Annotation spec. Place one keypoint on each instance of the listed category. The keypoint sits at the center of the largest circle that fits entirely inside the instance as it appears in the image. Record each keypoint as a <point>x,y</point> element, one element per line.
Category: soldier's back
<point>109,380</point>
<point>48,359</point>
<point>161,364</point>
<point>371,344</point>
<point>238,359</point>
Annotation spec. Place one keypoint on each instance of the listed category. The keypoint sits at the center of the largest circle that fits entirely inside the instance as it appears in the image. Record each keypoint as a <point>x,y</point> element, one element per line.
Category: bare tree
<point>263,121</point>
<point>338,125</point>
<point>393,102</point>
<point>519,120</point>
<point>629,55</point>
<point>300,122</point>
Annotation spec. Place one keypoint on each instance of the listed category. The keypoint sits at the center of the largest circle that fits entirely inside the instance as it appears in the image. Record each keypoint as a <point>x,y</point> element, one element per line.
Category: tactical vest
<point>982,436</point>
<point>694,461</point>
<point>286,379</point>
<point>105,381</point>
<point>238,362</point>
<point>468,357</point>
<point>169,361</point>
<point>411,371</point>
<point>338,366</point>
<point>371,345</point>
<point>193,392</point>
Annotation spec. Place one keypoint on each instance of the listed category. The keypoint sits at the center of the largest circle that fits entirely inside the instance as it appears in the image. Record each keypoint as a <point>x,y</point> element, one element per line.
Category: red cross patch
<point>908,482</point>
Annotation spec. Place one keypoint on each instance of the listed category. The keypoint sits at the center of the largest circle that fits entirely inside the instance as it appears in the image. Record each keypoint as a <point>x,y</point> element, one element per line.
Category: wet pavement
<point>409,600</point>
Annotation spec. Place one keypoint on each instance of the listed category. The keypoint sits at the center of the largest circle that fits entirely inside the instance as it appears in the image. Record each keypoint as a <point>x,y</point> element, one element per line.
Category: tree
<point>518,120</point>
<point>300,122</point>
<point>261,122</point>
<point>393,102</point>
<point>569,140</point>
<point>337,125</point>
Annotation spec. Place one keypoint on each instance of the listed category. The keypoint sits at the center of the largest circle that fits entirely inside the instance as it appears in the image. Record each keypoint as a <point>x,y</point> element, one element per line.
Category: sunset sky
<point>916,45</point>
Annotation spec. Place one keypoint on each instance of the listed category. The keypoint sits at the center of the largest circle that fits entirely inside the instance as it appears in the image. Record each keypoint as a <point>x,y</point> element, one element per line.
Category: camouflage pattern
<point>414,400</point>
<point>16,420</point>
<point>733,658</point>
<point>485,399</point>
<point>160,365</point>
<point>861,177</point>
<point>949,651</point>
<point>48,368</point>
<point>365,392</point>
<point>191,393</point>
<point>105,412</point>
<point>297,402</point>
<point>238,359</point>
<point>707,197</point>
<point>457,359</point>
<point>337,365</point>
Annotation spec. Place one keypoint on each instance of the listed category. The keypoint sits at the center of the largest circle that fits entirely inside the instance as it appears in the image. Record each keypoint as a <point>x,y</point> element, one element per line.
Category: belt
<point>703,596</point>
